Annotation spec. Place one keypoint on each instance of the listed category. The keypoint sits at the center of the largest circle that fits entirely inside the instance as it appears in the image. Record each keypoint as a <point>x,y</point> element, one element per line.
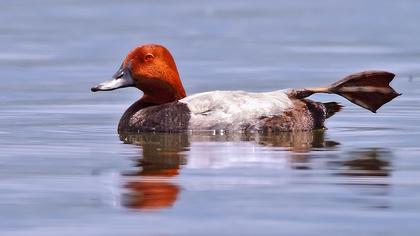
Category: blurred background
<point>64,170</point>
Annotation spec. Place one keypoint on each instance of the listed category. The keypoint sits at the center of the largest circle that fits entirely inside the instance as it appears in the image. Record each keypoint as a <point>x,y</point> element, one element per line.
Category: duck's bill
<point>112,85</point>
<point>121,79</point>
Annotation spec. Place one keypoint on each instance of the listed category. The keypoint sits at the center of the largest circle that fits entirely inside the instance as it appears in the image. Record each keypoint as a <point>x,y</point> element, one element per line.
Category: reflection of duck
<point>151,187</point>
<point>365,170</point>
<point>148,195</point>
<point>164,106</point>
<point>300,144</point>
<point>367,162</point>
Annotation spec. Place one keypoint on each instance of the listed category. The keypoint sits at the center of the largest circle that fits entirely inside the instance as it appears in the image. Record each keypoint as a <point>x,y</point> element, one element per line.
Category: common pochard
<point>165,107</point>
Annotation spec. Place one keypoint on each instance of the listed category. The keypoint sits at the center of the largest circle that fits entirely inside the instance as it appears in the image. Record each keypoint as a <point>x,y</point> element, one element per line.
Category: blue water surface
<point>65,171</point>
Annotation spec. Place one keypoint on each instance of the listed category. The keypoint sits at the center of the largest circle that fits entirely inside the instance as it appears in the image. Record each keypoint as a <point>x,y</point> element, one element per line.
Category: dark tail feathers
<point>331,108</point>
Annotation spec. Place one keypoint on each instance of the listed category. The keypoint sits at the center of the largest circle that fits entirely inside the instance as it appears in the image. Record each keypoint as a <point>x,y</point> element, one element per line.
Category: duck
<point>165,106</point>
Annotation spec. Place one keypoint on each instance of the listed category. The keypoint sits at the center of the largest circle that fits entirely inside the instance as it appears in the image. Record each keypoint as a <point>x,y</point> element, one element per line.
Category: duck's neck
<point>162,90</point>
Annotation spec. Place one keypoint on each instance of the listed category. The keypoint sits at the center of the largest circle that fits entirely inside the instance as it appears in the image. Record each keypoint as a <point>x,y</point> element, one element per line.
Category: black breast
<point>169,117</point>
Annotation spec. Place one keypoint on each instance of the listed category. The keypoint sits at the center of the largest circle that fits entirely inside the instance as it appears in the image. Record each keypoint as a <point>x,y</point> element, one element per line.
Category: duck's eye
<point>148,57</point>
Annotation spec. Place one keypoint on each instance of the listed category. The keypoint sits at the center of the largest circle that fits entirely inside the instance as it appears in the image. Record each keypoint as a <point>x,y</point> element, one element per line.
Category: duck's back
<point>233,110</point>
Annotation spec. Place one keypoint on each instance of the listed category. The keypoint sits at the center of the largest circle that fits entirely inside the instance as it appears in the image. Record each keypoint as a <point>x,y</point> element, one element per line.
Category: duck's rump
<point>229,111</point>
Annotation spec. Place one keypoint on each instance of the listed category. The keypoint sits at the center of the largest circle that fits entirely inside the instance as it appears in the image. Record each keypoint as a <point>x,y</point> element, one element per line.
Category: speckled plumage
<point>228,111</point>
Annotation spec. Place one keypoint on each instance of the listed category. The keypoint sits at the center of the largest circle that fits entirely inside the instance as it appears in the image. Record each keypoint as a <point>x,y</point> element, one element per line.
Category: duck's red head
<point>151,69</point>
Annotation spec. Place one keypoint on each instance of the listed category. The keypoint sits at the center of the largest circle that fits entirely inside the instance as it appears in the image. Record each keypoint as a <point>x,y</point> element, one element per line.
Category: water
<point>64,170</point>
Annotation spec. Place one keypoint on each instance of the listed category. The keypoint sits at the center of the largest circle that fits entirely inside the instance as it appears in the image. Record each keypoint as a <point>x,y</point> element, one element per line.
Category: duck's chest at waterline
<point>228,110</point>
